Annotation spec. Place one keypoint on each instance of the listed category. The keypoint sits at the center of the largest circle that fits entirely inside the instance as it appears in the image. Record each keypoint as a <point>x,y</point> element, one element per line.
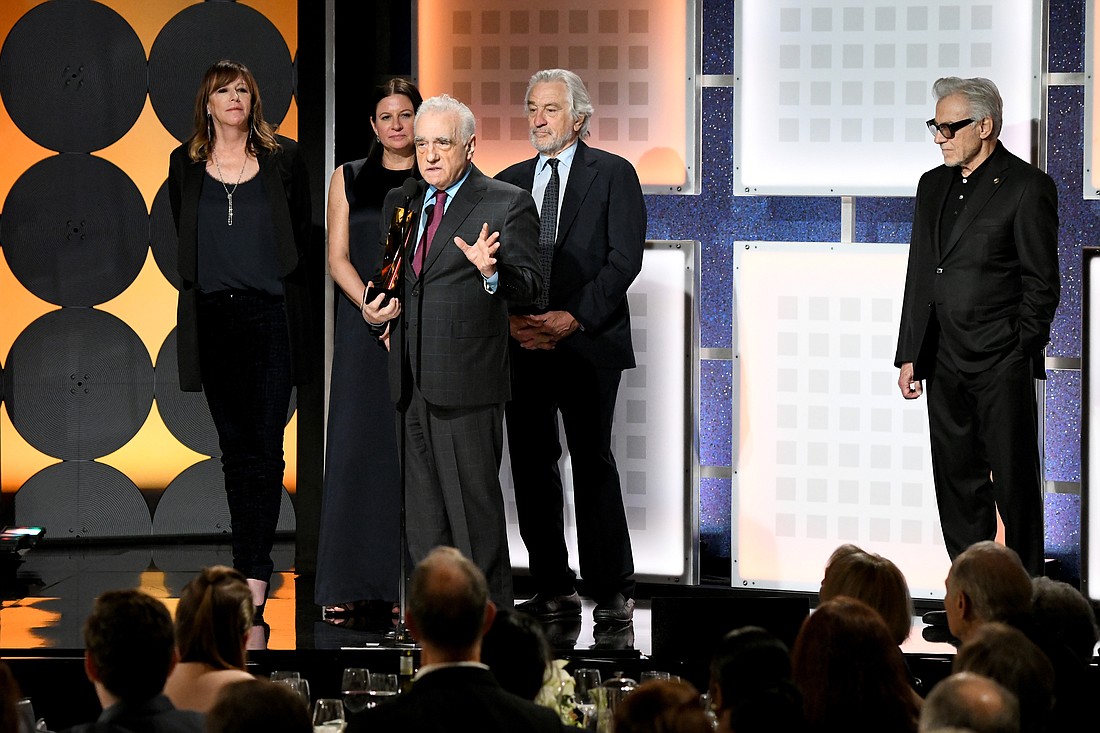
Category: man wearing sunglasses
<point>980,293</point>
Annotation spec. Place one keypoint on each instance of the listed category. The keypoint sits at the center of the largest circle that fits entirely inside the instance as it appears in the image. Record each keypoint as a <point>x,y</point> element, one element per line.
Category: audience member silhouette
<point>1065,616</point>
<point>1003,653</point>
<point>448,613</point>
<point>516,651</point>
<point>213,620</point>
<point>662,706</point>
<point>258,706</point>
<point>874,580</point>
<point>750,684</point>
<point>987,582</point>
<point>129,651</point>
<point>850,672</point>
<point>971,701</point>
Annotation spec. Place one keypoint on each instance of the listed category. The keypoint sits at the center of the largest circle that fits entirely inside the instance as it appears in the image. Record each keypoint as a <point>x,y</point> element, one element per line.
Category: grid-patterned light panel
<point>637,59</point>
<point>653,433</point>
<point>828,451</point>
<point>827,91</point>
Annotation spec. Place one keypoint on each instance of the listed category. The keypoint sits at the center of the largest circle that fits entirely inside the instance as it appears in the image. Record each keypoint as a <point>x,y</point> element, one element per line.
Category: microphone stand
<point>400,636</point>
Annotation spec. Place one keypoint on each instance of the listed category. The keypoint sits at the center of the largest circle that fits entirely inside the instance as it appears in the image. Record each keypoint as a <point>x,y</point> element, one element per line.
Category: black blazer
<point>287,186</point>
<point>598,251</point>
<point>447,315</point>
<point>457,699</point>
<point>994,284</point>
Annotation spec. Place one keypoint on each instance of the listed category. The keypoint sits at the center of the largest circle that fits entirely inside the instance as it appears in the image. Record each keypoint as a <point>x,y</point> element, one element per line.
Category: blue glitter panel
<point>715,495</point>
<point>1067,36</point>
<point>1062,440</point>
<point>706,218</point>
<point>884,219</point>
<point>715,413</point>
<point>1063,533</point>
<point>718,37</point>
<point>1077,217</point>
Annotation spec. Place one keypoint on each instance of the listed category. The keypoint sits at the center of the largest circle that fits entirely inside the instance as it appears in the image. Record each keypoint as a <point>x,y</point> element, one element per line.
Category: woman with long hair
<point>241,204</point>
<point>358,556</point>
<point>851,673</point>
<point>213,620</point>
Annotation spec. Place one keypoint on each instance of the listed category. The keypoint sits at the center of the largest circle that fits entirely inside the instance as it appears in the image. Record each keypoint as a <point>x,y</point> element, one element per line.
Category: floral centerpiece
<point>557,692</point>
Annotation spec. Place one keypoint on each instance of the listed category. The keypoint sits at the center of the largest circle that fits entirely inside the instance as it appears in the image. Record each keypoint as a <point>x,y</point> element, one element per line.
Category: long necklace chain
<point>221,180</point>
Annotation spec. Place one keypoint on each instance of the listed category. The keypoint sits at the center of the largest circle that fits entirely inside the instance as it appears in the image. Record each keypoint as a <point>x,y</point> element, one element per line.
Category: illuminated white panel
<point>638,60</point>
<point>653,438</point>
<point>831,98</point>
<point>828,451</point>
<point>1090,461</point>
<point>1091,181</point>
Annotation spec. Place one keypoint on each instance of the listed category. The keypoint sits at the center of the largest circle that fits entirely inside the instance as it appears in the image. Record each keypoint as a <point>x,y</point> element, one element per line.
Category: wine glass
<point>328,716</point>
<point>300,685</point>
<point>355,688</point>
<point>280,675</point>
<point>382,687</point>
<point>585,681</point>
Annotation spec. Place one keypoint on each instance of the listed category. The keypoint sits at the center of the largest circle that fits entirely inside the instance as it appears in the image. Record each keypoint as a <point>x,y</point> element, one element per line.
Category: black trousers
<point>544,383</point>
<point>244,354</point>
<point>985,456</point>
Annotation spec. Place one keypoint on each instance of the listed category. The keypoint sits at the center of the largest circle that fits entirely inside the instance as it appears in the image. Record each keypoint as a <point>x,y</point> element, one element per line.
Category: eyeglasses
<point>947,129</point>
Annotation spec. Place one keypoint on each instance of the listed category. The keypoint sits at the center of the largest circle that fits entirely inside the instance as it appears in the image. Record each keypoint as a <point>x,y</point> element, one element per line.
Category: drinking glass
<point>300,685</point>
<point>328,716</point>
<point>382,687</point>
<point>279,676</point>
<point>653,674</point>
<point>355,688</point>
<point>585,681</point>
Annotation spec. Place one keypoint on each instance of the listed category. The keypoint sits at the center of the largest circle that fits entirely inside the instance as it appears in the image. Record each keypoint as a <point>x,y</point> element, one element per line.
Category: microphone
<point>409,189</point>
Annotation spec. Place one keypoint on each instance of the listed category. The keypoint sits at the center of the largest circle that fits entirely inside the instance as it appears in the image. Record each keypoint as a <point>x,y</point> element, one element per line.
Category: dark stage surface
<point>43,610</point>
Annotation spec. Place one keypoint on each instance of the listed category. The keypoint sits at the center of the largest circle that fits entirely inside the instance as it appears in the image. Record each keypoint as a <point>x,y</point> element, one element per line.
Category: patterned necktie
<point>548,229</point>
<point>435,215</point>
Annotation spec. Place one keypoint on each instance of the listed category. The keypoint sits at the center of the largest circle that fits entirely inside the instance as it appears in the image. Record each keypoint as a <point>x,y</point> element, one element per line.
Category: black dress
<point>357,558</point>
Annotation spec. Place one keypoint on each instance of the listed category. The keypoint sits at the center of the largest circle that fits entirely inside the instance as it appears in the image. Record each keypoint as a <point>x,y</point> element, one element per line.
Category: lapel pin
<point>996,180</point>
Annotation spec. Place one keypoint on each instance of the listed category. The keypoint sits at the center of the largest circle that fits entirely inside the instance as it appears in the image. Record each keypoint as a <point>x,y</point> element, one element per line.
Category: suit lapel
<point>988,185</point>
<point>189,205</point>
<point>581,176</point>
<point>468,196</point>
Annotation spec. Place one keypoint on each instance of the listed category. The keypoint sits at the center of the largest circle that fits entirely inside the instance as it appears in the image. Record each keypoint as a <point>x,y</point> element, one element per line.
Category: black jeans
<point>244,352</point>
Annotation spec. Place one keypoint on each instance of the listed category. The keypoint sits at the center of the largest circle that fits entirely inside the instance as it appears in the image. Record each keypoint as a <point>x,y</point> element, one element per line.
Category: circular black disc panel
<point>76,231</point>
<point>195,503</point>
<point>163,238</point>
<point>82,499</point>
<point>73,75</point>
<point>186,414</point>
<point>78,383</point>
<point>202,34</point>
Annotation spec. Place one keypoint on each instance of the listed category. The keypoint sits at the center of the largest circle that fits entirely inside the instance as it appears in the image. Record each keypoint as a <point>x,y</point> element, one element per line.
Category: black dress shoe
<point>552,608</point>
<point>617,608</point>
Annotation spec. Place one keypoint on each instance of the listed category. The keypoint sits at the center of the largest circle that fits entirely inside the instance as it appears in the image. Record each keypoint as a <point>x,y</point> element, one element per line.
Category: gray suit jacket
<point>456,333</point>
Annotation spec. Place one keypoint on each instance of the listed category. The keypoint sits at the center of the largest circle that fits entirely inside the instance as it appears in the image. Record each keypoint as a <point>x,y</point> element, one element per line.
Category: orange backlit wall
<point>153,457</point>
<point>631,55</point>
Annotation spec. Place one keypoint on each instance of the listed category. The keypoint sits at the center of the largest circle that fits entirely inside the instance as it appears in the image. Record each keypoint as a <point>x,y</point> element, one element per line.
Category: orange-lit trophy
<point>402,224</point>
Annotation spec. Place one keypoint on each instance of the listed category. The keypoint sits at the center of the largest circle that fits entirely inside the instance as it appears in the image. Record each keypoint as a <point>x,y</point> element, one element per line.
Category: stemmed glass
<point>328,716</point>
<point>300,685</point>
<point>355,686</point>
<point>585,681</point>
<point>382,687</point>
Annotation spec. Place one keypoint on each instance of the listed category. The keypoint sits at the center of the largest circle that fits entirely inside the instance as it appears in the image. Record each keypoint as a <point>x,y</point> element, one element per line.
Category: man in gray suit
<point>475,253</point>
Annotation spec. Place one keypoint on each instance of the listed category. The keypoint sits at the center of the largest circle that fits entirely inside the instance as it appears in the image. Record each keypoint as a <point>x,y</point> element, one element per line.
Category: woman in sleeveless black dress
<point>358,557</point>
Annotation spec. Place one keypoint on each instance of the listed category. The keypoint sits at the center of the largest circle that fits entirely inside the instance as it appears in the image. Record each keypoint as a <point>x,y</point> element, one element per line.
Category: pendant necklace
<point>221,180</point>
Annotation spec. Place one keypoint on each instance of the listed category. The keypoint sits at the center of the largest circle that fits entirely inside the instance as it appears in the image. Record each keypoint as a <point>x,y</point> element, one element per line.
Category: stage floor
<point>54,588</point>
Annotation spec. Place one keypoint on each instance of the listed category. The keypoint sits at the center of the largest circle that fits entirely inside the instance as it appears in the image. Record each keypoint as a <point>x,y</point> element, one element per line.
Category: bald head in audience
<point>987,582</point>
<point>449,607</point>
<point>972,702</point>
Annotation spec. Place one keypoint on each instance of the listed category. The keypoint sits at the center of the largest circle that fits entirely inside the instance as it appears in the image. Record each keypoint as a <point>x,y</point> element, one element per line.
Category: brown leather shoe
<point>552,608</point>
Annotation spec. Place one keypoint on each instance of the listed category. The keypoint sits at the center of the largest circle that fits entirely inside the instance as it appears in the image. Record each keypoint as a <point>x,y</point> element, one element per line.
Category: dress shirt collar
<point>565,157</point>
<point>451,190</point>
<point>429,668</point>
